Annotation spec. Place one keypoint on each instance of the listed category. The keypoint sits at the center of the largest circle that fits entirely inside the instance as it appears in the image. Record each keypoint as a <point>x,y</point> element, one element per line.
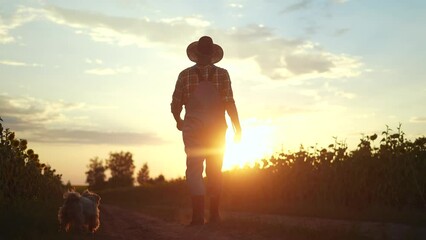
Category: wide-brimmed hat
<point>204,48</point>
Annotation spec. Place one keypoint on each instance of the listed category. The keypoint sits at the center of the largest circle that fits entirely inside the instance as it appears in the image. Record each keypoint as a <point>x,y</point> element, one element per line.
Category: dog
<point>79,213</point>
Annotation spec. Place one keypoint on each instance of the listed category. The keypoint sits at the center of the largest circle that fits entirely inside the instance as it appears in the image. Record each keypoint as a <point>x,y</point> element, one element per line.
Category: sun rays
<point>256,143</point>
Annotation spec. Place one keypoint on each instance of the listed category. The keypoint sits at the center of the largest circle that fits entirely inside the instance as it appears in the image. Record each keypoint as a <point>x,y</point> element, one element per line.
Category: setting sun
<point>256,143</point>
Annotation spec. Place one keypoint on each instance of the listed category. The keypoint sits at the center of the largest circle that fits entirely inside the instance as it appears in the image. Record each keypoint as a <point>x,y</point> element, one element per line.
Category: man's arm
<point>231,109</point>
<point>179,120</point>
<point>176,105</point>
<point>230,106</point>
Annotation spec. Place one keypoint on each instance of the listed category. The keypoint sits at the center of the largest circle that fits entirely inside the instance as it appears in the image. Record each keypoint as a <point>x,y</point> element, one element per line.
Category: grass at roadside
<point>28,220</point>
<point>33,220</point>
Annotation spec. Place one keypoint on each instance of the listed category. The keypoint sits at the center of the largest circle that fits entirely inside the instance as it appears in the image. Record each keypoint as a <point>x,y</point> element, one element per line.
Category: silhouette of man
<point>206,92</point>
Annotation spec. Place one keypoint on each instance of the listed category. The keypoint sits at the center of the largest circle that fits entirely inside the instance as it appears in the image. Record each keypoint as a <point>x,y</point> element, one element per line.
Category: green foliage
<point>96,177</point>
<point>30,220</point>
<point>390,174</point>
<point>381,180</point>
<point>122,168</point>
<point>22,175</point>
<point>159,179</point>
<point>30,192</point>
<point>143,175</point>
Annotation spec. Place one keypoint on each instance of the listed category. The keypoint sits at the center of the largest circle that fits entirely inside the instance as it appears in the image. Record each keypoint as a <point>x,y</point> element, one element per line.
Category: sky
<point>81,79</point>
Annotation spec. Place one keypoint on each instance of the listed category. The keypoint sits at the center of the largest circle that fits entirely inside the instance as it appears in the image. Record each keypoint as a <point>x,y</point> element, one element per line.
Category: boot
<point>197,210</point>
<point>214,209</point>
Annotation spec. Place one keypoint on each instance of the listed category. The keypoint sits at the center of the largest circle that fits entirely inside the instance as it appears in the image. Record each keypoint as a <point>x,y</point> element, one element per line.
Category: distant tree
<point>96,177</point>
<point>143,175</point>
<point>122,168</point>
<point>160,179</point>
<point>68,185</point>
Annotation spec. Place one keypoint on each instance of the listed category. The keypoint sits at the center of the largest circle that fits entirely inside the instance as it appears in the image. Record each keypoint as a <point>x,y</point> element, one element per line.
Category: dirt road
<point>122,224</point>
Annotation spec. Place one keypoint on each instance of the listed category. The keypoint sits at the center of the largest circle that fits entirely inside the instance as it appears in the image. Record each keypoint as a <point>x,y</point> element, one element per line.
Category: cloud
<point>236,5</point>
<point>418,120</point>
<point>291,110</point>
<point>312,93</point>
<point>95,137</point>
<point>34,111</point>
<point>22,16</point>
<point>93,61</point>
<point>104,71</point>
<point>196,21</point>
<point>126,31</point>
<point>15,123</point>
<point>299,5</point>
<point>344,94</point>
<point>19,64</point>
<point>338,92</point>
<point>108,71</point>
<point>278,57</point>
<point>36,117</point>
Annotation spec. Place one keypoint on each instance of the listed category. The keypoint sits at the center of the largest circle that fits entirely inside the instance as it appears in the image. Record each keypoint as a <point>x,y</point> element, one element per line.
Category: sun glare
<point>256,143</point>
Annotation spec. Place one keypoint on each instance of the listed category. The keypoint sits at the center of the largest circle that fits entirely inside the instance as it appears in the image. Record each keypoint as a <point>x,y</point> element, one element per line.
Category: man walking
<point>206,92</point>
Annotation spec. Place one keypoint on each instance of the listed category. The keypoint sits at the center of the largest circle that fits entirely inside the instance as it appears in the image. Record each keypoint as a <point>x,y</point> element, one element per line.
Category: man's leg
<point>214,182</point>
<point>194,179</point>
<point>194,176</point>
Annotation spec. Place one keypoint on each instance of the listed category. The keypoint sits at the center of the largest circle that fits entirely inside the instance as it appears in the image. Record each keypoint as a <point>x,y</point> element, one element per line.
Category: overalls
<point>204,137</point>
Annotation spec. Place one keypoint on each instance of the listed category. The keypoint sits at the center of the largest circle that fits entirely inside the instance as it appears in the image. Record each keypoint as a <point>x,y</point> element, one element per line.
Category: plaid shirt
<point>188,81</point>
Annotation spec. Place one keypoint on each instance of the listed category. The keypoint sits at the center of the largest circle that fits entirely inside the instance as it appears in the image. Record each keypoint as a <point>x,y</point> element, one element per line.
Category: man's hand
<point>179,124</point>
